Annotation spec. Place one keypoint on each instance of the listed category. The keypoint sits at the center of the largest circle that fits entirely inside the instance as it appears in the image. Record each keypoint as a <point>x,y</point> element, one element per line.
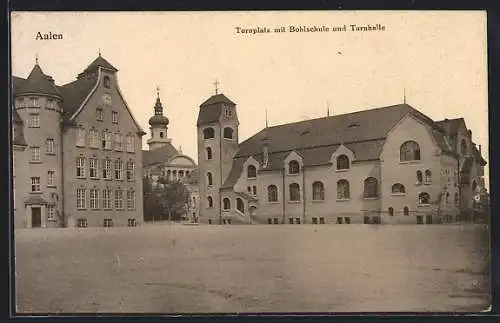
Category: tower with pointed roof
<point>217,144</point>
<point>38,108</point>
<point>158,125</point>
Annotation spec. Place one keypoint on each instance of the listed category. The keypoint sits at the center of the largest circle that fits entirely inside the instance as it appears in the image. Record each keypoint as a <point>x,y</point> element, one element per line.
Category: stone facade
<point>83,161</point>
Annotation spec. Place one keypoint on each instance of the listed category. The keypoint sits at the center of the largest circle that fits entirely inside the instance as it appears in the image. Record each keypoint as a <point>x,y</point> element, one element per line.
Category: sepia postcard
<point>250,162</point>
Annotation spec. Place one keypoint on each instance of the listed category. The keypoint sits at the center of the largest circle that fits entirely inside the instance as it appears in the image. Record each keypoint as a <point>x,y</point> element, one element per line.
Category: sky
<point>436,60</point>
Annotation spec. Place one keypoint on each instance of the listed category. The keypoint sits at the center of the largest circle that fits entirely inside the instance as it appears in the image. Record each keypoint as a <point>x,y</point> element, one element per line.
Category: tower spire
<point>404,95</point>
<point>99,51</point>
<point>327,108</point>
<point>36,59</point>
<point>158,91</point>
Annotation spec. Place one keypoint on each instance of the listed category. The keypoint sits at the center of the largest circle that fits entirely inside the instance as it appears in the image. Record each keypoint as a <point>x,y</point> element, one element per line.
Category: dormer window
<point>228,113</point>
<point>251,172</point>
<point>342,162</point>
<point>106,82</point>
<point>50,104</point>
<point>34,102</point>
<point>293,167</point>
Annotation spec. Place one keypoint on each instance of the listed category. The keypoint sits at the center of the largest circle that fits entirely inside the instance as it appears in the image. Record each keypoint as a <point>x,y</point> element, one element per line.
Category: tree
<point>151,209</point>
<point>172,199</point>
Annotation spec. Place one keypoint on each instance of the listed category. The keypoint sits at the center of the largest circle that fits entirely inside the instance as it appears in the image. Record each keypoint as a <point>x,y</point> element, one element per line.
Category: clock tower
<point>158,126</point>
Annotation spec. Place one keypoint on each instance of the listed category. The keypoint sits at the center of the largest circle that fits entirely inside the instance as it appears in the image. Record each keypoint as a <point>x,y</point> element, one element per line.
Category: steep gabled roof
<point>450,126</point>
<point>99,61</point>
<point>74,93</point>
<point>210,110</point>
<point>159,155</point>
<point>37,82</point>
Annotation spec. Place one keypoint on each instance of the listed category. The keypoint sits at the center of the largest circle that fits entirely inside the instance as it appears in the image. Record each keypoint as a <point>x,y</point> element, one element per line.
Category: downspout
<point>283,195</point>
<point>303,194</point>
<point>64,220</point>
<point>220,172</point>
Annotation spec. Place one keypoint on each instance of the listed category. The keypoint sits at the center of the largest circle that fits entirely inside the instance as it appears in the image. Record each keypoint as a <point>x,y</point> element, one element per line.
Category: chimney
<point>469,132</point>
<point>265,154</point>
<point>480,153</point>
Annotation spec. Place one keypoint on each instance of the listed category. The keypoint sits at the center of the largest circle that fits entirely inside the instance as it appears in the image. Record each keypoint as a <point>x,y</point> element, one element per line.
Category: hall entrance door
<point>36,217</point>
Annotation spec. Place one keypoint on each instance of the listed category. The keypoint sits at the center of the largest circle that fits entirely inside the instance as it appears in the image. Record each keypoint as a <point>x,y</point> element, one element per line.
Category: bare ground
<point>253,268</point>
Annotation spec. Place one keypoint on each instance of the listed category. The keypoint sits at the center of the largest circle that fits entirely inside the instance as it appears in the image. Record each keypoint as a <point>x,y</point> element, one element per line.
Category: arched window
<point>409,151</point>
<point>318,191</point>
<point>463,147</point>
<point>391,211</point>
<point>209,178</point>
<point>161,134</point>
<point>239,205</point>
<point>228,133</point>
<point>398,188</point>
<point>106,82</point>
<point>447,198</point>
<point>208,133</point>
<point>272,193</point>
<point>419,177</point>
<point>294,189</point>
<point>424,198</point>
<point>343,191</point>
<point>371,187</point>
<point>293,167</point>
<point>342,162</point>
<point>456,199</point>
<point>227,203</point>
<point>210,201</point>
<point>406,211</point>
<point>251,171</point>
<point>209,153</point>
<point>428,177</point>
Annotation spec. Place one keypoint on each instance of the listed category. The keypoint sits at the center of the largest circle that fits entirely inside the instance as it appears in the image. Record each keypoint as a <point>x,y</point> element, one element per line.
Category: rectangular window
<point>130,171</point>
<point>130,143</point>
<point>119,199</point>
<point>35,121</point>
<point>80,167</point>
<point>93,138</point>
<point>114,117</point>
<point>34,102</point>
<point>131,200</point>
<point>94,198</point>
<point>106,169</point>
<point>118,142</point>
<point>420,219</point>
<point>106,199</point>
<point>50,104</point>
<point>99,114</point>
<point>80,198</point>
<point>118,169</point>
<point>51,213</point>
<point>254,190</point>
<point>51,178</point>
<point>290,220</point>
<point>366,220</point>
<point>339,220</point>
<point>93,171</point>
<point>81,223</point>
<point>80,137</point>
<point>50,146</point>
<point>35,184</point>
<point>428,219</point>
<point>347,220</point>
<point>132,222</point>
<point>35,154</point>
<point>20,103</point>
<point>108,223</point>
<point>321,220</point>
<point>106,140</point>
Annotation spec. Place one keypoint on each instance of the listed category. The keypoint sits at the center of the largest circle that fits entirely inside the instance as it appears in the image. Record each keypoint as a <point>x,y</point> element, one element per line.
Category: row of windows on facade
<point>107,223</point>
<point>34,121</point>
<point>106,198</point>
<point>343,191</point>
<point>174,173</point>
<point>33,102</point>
<point>107,172</point>
<point>109,140</point>
<point>209,133</point>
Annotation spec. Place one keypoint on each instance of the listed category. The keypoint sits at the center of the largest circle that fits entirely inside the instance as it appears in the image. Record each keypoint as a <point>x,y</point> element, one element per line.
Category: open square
<point>257,268</point>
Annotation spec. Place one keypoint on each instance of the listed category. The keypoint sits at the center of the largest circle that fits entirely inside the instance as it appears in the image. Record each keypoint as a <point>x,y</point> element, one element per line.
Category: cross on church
<point>216,84</point>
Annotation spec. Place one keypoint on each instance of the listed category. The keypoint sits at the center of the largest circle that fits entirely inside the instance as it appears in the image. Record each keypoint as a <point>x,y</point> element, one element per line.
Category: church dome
<point>158,120</point>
